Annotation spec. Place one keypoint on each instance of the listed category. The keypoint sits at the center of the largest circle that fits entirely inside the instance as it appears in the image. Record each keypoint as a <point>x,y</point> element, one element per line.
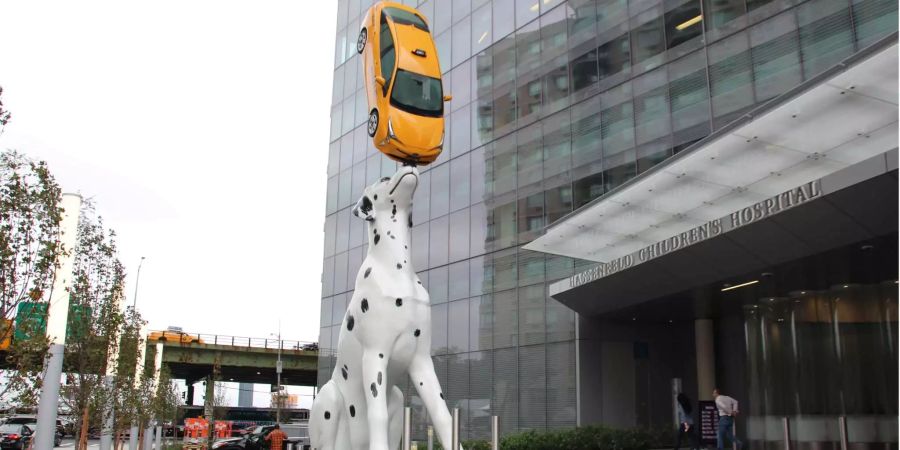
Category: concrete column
<point>57,320</point>
<point>158,443</point>
<point>133,437</point>
<point>109,414</point>
<point>704,345</point>
<point>148,437</point>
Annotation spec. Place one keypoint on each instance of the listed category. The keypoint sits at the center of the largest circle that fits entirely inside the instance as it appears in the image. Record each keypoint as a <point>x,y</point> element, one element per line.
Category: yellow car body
<point>174,336</point>
<point>403,84</point>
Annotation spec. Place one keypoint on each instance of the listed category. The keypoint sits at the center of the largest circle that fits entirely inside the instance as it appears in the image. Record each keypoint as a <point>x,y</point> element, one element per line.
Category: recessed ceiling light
<point>728,288</point>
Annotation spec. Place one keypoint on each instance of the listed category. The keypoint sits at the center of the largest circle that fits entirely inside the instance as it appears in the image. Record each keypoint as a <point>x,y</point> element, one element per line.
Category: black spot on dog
<point>364,305</point>
<point>379,378</point>
<point>399,266</point>
<point>409,220</point>
<point>368,271</point>
<point>417,281</point>
<point>374,390</point>
<point>374,230</point>
<point>381,355</point>
<point>392,237</point>
<point>377,238</point>
<point>327,415</point>
<point>406,247</point>
<point>350,322</point>
<point>399,302</point>
<point>442,395</point>
<point>394,210</point>
<point>344,372</point>
<point>421,384</point>
<point>352,411</point>
<point>385,179</point>
<point>392,201</point>
<point>366,205</point>
<point>376,196</point>
<point>417,333</point>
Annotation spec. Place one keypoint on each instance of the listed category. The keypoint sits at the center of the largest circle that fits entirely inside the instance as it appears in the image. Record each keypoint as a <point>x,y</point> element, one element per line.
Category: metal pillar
<point>58,315</point>
<point>430,437</point>
<point>208,409</point>
<point>158,444</point>
<point>454,436</point>
<point>845,439</point>
<point>704,348</point>
<point>133,437</point>
<point>190,393</point>
<point>148,437</point>
<point>495,433</point>
<point>407,423</point>
<point>786,427</point>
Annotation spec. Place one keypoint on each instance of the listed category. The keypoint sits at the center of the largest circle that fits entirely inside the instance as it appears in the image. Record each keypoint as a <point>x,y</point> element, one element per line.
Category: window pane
<point>481,319</point>
<point>419,246</point>
<point>557,145</point>
<point>461,9</point>
<point>502,80</point>
<point>438,241</point>
<point>533,388</point>
<point>477,284</point>
<point>459,182</point>
<point>459,235</point>
<point>503,13</point>
<point>776,61</point>
<point>531,267</point>
<point>458,274</point>
<point>526,11</point>
<point>440,187</point>
<point>530,156</point>
<point>826,35</point>
<point>719,12</point>
<point>458,335</point>
<point>531,314</point>
<point>651,107</point>
<point>584,71</point>
<point>506,319</point>
<point>554,59</point>
<point>502,226</point>
<point>588,188</point>
<point>505,401</point>
<point>505,269</point>
<point>327,286</point>
<point>460,86</point>
<point>648,39</point>
<point>620,168</point>
<point>459,131</point>
<point>340,276</point>
<point>439,329</point>
<point>528,61</point>
<point>500,166</point>
<point>531,216</point>
<point>586,132</point>
<point>478,176</point>
<point>649,155</point>
<point>557,202</point>
<point>730,78</point>
<point>684,24</point>
<point>614,56</point>
<point>481,29</point>
<point>477,229</point>
<point>420,209</point>
<point>617,122</point>
<point>354,261</point>
<point>462,41</point>
<point>442,17</point>
<point>874,19</point>
<point>438,279</point>
<point>689,96</point>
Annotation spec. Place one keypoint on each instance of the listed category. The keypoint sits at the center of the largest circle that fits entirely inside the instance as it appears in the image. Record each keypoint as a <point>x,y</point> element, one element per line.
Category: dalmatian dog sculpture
<point>385,335</point>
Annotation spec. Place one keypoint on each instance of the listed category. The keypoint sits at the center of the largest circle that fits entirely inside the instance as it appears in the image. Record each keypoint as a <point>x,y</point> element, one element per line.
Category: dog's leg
<point>374,375</point>
<point>324,416</point>
<point>395,414</point>
<point>421,372</point>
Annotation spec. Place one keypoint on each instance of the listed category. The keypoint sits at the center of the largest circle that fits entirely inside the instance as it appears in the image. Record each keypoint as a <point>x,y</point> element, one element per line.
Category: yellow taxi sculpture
<point>403,84</point>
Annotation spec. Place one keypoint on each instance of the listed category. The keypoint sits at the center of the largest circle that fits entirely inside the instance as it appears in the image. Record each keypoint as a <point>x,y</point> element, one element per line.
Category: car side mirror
<point>448,97</point>
<point>380,80</point>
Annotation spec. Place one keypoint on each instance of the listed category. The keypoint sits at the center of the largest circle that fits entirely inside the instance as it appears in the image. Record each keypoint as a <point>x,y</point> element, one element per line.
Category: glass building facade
<point>554,104</point>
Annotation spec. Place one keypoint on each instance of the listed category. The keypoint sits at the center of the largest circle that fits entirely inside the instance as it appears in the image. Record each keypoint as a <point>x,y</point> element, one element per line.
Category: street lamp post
<point>137,280</point>
<point>278,395</point>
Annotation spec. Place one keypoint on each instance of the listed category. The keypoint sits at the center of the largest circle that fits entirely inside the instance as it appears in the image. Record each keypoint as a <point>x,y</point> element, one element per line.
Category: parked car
<point>57,437</point>
<point>15,436</point>
<point>403,84</point>
<point>256,438</point>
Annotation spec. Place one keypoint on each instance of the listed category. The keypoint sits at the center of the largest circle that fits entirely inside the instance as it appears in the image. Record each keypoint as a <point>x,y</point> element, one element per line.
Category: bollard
<point>495,433</point>
<point>454,437</point>
<point>842,425</point>
<point>786,426</point>
<point>407,419</point>
<point>430,437</point>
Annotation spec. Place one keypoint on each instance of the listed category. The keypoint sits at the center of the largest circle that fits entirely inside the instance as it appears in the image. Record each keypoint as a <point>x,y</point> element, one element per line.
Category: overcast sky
<point>200,131</point>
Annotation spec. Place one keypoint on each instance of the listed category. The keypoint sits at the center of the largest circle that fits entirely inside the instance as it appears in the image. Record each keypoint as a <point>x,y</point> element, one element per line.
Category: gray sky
<point>200,130</point>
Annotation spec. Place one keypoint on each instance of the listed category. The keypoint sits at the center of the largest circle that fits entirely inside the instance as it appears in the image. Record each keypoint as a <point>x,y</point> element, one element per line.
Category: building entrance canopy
<point>833,121</point>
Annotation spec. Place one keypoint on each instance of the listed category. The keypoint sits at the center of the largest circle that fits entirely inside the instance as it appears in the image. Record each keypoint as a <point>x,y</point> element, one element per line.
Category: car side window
<point>388,53</point>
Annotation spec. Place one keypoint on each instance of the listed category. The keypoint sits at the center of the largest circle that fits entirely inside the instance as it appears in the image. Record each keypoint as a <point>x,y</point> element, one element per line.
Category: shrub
<point>584,438</point>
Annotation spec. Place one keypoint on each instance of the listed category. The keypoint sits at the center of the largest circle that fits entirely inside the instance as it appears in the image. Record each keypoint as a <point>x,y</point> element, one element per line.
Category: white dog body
<point>385,335</point>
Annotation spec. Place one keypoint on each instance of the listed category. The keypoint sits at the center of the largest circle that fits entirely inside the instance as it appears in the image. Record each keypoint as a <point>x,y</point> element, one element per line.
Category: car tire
<point>372,126</point>
<point>361,40</point>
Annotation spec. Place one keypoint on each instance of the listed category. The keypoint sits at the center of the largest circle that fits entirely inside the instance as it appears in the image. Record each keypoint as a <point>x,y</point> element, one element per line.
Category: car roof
<point>408,39</point>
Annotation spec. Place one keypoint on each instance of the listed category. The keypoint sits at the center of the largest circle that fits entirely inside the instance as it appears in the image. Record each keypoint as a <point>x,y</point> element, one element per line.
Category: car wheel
<point>361,40</point>
<point>373,123</point>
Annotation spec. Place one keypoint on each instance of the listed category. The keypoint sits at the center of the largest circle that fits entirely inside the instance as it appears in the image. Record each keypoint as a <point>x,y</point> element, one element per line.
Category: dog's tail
<point>325,417</point>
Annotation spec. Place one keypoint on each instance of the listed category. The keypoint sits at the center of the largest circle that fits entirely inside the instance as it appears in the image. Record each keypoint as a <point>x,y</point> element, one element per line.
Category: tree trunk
<point>85,421</point>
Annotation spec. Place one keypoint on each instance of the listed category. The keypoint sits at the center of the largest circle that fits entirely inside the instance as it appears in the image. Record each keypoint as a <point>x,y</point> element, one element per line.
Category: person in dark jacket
<point>685,422</point>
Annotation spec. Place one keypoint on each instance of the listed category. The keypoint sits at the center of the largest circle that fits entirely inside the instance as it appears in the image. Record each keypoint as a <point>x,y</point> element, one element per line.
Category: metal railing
<point>234,341</point>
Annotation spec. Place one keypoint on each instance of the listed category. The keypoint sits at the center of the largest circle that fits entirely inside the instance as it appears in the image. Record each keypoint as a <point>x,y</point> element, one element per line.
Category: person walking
<point>685,422</point>
<point>276,438</point>
<point>728,410</point>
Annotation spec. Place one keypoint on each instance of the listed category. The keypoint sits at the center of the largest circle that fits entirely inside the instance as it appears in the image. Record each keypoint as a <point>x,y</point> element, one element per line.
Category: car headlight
<point>391,130</point>
<point>217,444</point>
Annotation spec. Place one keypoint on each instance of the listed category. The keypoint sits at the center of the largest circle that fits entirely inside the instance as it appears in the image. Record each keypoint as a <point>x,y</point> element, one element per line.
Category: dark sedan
<point>15,436</point>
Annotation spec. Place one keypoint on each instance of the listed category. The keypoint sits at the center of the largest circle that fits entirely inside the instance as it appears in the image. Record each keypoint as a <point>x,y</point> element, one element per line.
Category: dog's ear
<point>364,209</point>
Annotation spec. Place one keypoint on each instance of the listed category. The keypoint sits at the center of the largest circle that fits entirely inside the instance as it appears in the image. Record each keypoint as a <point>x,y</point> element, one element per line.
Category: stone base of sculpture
<point>385,335</point>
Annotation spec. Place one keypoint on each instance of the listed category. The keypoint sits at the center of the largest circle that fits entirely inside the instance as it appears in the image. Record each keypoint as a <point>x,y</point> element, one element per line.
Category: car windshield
<point>10,428</point>
<point>402,17</point>
<point>418,94</point>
